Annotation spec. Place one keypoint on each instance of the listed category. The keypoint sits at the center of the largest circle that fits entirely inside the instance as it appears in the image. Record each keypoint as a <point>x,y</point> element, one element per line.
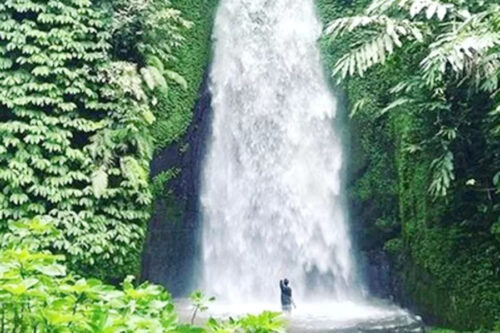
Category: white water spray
<point>272,192</point>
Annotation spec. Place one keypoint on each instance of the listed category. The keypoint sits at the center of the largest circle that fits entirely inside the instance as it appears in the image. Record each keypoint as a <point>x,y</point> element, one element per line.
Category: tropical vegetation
<point>38,295</point>
<point>84,89</point>
<point>75,122</point>
<point>421,78</point>
<point>91,90</point>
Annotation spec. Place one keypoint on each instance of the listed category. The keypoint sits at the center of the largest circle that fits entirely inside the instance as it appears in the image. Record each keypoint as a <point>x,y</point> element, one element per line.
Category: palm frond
<point>468,49</point>
<point>442,175</point>
<point>374,51</point>
<point>431,8</point>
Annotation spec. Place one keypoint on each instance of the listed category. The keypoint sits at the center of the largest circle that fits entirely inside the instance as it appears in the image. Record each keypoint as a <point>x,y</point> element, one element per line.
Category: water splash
<point>272,189</point>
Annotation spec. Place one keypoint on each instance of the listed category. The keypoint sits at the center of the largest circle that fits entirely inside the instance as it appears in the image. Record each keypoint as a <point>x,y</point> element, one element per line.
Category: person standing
<point>286,296</point>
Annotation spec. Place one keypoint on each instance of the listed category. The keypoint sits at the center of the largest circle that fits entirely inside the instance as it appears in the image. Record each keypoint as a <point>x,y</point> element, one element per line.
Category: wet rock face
<point>379,275</point>
<point>172,247</point>
<point>377,266</point>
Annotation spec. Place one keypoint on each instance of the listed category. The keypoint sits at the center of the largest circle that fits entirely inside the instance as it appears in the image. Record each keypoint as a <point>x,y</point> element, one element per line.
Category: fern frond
<point>442,175</point>
<point>466,50</point>
<point>431,8</point>
<point>389,35</point>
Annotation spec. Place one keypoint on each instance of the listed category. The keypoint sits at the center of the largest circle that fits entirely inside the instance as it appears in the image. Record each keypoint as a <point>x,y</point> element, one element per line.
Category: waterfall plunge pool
<point>342,317</point>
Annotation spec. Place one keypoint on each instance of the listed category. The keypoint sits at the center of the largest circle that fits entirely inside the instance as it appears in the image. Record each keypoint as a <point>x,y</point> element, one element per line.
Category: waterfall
<point>272,183</point>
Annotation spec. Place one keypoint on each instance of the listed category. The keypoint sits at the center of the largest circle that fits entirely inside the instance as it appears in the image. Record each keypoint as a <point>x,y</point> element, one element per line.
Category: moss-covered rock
<point>172,243</point>
<point>445,260</point>
<point>174,118</point>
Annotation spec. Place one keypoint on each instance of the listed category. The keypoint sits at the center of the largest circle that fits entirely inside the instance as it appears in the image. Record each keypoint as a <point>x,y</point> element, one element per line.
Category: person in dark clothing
<point>286,296</point>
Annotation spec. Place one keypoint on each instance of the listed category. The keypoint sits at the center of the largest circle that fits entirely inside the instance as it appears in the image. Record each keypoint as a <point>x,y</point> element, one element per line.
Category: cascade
<point>271,184</point>
<point>272,195</point>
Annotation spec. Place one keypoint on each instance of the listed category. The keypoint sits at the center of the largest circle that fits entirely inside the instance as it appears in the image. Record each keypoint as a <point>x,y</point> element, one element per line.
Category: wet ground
<point>345,317</point>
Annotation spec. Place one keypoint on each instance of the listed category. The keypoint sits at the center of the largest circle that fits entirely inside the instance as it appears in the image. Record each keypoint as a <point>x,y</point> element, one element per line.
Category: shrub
<point>37,295</point>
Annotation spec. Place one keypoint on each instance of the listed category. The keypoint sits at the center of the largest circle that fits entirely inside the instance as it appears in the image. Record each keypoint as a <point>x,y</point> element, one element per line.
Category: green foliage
<point>442,174</point>
<point>161,180</point>
<point>200,303</point>
<point>174,112</point>
<point>425,160</point>
<point>147,29</point>
<point>37,295</point>
<point>377,48</point>
<point>466,42</point>
<point>147,32</point>
<point>75,125</point>
<point>266,322</point>
<point>394,246</point>
<point>452,277</point>
<point>460,48</point>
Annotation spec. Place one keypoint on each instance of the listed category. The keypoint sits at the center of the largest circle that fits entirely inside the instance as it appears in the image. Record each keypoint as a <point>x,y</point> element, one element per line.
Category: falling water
<point>272,188</point>
<point>272,179</point>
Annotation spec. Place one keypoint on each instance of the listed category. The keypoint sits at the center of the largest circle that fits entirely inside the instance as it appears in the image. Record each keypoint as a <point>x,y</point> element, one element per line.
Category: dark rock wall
<point>173,246</point>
